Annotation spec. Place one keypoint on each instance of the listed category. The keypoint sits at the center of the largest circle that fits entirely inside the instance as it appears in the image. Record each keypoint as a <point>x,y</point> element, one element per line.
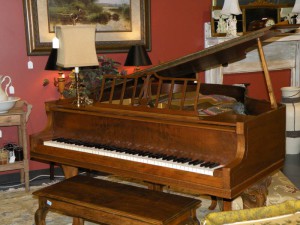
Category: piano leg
<point>227,204</point>
<point>69,171</point>
<point>78,221</point>
<point>214,203</point>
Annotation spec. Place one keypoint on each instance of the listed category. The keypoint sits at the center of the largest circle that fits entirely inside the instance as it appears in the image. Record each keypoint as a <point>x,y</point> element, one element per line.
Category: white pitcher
<point>3,94</point>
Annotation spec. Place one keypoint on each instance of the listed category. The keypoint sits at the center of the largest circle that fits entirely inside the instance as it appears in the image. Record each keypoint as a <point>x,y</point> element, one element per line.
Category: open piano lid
<point>223,53</point>
<point>186,67</point>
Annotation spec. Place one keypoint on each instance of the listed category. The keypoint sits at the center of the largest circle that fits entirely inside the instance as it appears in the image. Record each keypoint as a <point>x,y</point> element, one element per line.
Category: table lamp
<point>76,49</point>
<point>137,56</point>
<point>296,10</point>
<point>51,65</point>
<point>231,8</point>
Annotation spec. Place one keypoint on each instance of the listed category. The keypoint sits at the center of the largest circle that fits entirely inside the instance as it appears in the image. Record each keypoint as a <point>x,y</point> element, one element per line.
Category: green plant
<point>90,79</point>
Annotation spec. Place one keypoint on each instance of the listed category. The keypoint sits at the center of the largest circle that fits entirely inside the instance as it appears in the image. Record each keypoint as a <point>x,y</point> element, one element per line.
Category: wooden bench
<point>100,201</point>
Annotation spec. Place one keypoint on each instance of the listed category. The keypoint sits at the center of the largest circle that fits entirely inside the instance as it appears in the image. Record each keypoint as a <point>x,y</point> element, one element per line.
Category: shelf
<point>12,166</point>
<point>18,116</point>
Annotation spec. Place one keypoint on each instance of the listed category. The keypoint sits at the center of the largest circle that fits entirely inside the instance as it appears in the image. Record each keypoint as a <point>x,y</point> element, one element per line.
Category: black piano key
<point>121,150</point>
<point>133,152</point>
<point>185,160</point>
<point>142,153</point>
<point>172,158</point>
<point>179,160</point>
<point>162,156</point>
<point>157,156</point>
<point>166,157</point>
<point>209,164</point>
<point>112,148</point>
<point>59,139</point>
<point>169,158</point>
<point>213,165</point>
<point>196,162</point>
<point>205,164</point>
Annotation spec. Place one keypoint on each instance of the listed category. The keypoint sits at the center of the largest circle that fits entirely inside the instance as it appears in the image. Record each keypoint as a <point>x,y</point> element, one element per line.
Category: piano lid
<point>223,53</point>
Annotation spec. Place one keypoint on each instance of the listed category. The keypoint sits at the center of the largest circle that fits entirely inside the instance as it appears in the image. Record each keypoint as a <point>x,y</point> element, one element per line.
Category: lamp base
<point>231,26</point>
<point>80,101</point>
<point>61,87</point>
<point>83,101</point>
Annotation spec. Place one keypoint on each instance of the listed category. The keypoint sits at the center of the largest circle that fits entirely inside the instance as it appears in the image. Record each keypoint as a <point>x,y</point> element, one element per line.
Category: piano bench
<point>100,201</point>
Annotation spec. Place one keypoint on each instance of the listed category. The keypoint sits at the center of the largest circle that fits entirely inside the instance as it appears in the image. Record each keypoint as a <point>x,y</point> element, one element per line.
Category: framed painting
<point>119,23</point>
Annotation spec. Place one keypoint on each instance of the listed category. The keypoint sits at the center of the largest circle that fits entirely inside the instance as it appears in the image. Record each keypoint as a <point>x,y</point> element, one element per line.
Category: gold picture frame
<point>39,37</point>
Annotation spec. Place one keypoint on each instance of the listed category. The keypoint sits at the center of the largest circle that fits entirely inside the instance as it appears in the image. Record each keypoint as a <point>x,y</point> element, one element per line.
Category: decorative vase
<point>291,98</point>
<point>3,93</point>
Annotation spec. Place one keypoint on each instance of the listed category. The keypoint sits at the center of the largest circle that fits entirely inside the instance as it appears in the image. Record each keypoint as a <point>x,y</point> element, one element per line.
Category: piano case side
<point>261,150</point>
<point>47,133</point>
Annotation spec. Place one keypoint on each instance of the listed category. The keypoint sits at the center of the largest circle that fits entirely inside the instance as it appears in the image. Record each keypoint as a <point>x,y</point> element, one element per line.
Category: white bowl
<point>7,105</point>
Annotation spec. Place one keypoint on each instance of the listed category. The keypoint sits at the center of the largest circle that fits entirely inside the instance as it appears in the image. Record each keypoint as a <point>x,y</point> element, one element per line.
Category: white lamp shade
<point>296,8</point>
<point>231,7</point>
<point>76,46</point>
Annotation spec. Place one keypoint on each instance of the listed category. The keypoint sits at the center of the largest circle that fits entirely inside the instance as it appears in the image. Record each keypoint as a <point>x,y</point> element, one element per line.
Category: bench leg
<point>194,219</point>
<point>78,221</point>
<point>41,212</point>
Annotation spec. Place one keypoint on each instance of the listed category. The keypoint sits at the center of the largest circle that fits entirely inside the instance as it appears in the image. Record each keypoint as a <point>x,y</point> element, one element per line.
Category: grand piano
<point>150,126</point>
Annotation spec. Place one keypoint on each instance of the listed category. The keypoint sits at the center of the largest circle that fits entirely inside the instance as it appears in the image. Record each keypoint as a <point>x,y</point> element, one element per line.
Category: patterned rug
<point>18,207</point>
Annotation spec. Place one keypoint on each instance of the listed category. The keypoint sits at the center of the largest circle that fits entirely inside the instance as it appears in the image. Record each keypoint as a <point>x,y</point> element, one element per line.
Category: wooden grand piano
<point>148,126</point>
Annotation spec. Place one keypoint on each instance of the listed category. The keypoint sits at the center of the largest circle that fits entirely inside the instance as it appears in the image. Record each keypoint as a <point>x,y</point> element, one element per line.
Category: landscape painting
<point>107,15</point>
<point>119,24</point>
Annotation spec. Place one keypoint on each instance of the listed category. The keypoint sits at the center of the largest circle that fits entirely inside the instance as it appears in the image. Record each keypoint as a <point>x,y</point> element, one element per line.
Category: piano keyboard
<point>157,159</point>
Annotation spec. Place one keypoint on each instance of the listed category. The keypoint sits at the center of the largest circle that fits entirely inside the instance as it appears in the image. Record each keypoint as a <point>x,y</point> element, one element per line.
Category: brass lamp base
<point>61,87</point>
<point>78,102</point>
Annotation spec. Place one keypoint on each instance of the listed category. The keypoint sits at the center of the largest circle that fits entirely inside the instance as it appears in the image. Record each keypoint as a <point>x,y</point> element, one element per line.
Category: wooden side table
<point>18,116</point>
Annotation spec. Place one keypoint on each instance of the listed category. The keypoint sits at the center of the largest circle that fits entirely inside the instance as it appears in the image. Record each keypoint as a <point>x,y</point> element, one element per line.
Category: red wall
<point>177,29</point>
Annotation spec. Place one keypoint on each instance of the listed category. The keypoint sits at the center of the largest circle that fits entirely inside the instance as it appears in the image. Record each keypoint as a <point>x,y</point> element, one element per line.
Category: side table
<point>18,116</point>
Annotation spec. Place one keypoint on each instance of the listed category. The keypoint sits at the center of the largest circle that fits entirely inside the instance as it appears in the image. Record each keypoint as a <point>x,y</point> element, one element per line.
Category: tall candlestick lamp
<point>76,49</point>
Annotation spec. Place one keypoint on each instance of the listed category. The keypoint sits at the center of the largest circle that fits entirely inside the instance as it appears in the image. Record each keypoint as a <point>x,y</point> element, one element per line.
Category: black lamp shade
<point>51,63</point>
<point>137,56</point>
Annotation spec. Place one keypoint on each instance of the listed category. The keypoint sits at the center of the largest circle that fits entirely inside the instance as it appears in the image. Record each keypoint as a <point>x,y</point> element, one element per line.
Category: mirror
<point>253,11</point>
<point>261,2</point>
